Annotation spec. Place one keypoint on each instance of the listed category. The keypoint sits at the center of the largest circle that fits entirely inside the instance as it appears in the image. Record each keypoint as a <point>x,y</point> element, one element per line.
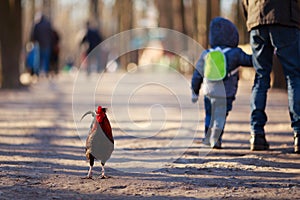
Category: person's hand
<point>194,97</point>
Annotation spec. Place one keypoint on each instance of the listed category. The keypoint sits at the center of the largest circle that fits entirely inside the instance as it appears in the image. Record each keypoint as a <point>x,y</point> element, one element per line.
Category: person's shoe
<point>215,139</point>
<point>296,143</point>
<point>218,145</point>
<point>206,139</point>
<point>258,142</point>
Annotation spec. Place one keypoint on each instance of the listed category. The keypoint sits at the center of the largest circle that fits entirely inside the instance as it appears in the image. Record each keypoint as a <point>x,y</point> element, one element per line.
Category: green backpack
<point>215,64</point>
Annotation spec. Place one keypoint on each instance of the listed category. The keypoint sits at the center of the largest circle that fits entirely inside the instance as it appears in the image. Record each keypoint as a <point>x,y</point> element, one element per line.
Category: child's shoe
<point>207,134</point>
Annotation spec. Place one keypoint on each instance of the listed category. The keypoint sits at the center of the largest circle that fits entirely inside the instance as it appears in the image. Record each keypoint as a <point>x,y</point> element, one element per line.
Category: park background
<point>190,17</point>
<point>42,155</point>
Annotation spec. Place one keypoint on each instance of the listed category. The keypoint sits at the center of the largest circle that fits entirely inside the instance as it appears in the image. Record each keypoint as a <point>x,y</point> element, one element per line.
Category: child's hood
<point>223,32</point>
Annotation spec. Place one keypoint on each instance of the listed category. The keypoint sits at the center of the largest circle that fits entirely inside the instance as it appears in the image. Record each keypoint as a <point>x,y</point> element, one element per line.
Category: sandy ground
<point>42,153</point>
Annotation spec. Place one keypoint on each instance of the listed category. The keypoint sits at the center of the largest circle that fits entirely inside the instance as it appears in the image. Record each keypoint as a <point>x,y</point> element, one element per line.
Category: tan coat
<point>266,12</point>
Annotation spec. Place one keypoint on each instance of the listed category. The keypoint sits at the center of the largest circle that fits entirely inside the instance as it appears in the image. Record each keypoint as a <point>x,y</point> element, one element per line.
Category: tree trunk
<point>200,22</point>
<point>171,14</point>
<point>241,24</point>
<point>125,20</point>
<point>94,12</point>
<point>195,34</point>
<point>10,42</point>
<point>183,17</point>
<point>28,13</point>
<point>213,10</point>
<point>177,15</point>
<point>47,8</point>
<point>165,13</point>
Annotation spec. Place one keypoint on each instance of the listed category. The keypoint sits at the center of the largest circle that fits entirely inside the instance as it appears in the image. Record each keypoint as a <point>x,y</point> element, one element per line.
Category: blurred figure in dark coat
<point>42,33</point>
<point>94,56</point>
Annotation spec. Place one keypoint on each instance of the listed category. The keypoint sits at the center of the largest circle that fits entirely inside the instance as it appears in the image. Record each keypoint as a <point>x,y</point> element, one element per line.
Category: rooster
<point>100,141</point>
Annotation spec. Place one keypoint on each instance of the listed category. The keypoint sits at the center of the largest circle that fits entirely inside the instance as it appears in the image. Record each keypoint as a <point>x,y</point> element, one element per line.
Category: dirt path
<point>42,156</point>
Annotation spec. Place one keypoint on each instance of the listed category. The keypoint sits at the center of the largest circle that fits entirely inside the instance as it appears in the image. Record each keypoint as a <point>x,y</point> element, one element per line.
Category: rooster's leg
<point>92,159</point>
<point>89,175</point>
<point>103,172</point>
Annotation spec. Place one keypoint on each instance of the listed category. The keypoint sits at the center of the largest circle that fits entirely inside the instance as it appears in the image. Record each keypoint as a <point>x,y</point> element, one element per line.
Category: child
<point>33,58</point>
<point>219,94</point>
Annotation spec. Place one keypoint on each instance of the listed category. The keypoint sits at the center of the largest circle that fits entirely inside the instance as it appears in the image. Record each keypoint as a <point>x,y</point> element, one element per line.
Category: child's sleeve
<point>245,59</point>
<point>197,78</point>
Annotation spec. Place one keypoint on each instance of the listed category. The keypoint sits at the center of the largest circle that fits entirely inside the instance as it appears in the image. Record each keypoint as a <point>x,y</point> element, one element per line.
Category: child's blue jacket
<point>222,33</point>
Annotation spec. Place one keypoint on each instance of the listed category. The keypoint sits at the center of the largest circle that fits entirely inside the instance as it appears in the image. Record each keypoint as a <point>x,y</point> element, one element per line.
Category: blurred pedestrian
<point>274,27</point>
<point>42,33</point>
<point>93,53</point>
<point>55,49</point>
<point>217,69</point>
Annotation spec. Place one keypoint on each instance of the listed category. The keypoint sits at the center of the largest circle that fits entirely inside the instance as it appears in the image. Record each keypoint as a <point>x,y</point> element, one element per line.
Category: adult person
<point>274,27</point>
<point>93,38</point>
<point>42,33</point>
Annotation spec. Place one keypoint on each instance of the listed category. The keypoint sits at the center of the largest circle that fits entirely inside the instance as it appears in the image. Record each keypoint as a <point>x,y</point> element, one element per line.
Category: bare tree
<point>94,12</point>
<point>189,17</point>
<point>10,42</point>
<point>171,14</point>
<point>28,13</point>
<point>124,11</point>
<point>212,11</point>
<point>47,8</point>
<point>125,14</point>
<point>165,13</point>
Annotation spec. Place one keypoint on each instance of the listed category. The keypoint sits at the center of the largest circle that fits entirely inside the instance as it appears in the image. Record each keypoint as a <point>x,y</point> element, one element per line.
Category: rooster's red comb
<point>99,109</point>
